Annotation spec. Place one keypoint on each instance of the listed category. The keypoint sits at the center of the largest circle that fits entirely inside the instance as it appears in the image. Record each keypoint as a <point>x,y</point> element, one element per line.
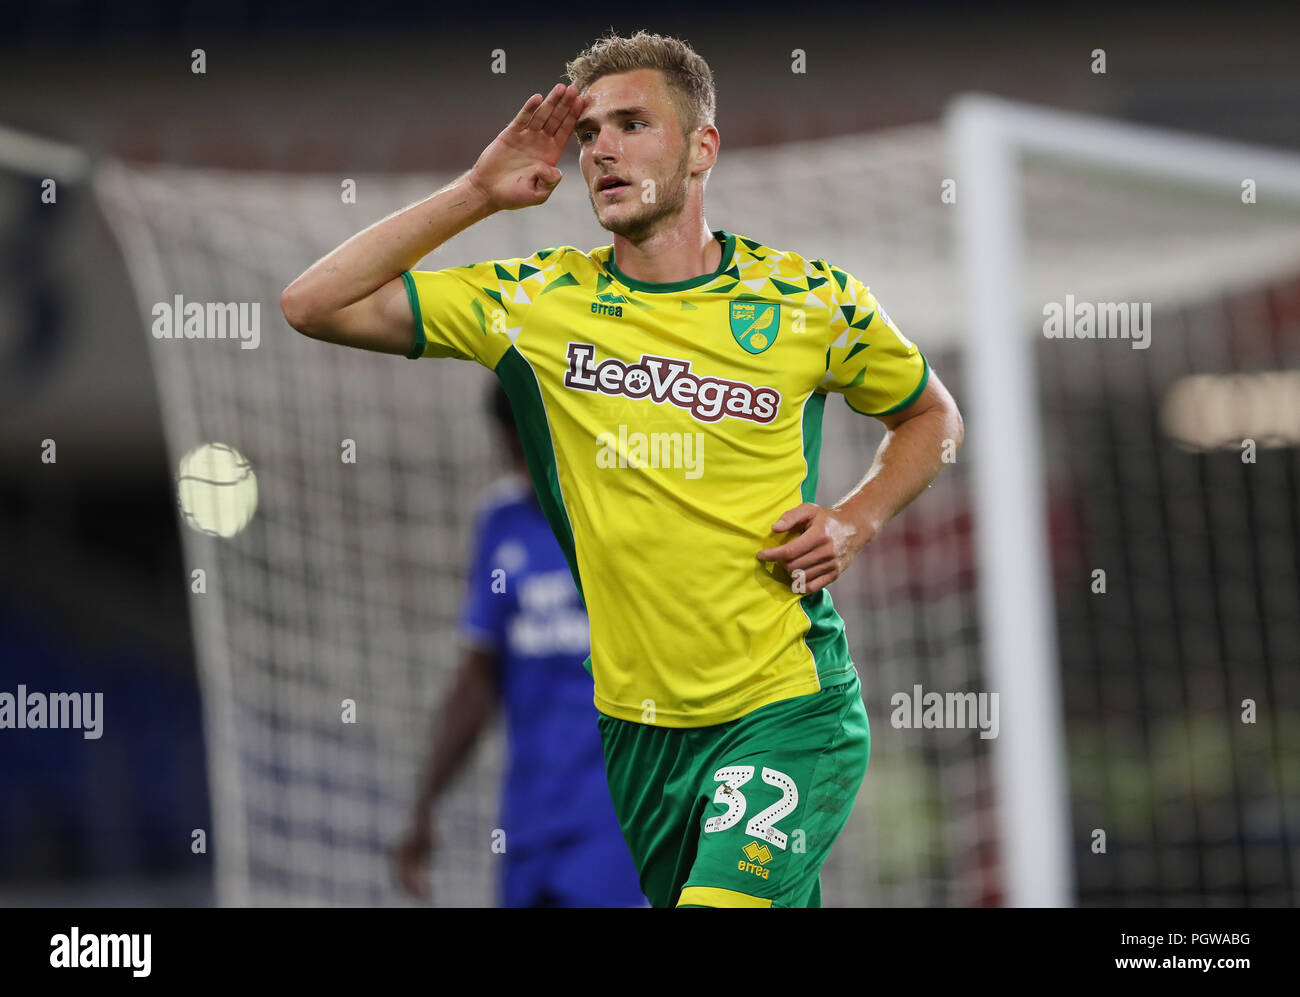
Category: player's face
<point>631,131</point>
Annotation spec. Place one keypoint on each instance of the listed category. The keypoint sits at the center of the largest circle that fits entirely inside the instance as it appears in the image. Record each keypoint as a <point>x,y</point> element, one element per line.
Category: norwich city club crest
<point>754,324</point>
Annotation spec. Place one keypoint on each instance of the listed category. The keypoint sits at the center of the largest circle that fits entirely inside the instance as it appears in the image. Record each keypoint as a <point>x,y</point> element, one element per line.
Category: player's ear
<point>705,152</point>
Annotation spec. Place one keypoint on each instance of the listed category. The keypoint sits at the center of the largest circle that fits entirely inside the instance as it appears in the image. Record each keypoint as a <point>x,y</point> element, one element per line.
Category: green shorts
<point>741,814</point>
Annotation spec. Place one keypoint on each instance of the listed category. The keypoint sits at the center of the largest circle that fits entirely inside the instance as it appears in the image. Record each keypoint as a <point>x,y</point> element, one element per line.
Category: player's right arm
<point>465,715</point>
<point>355,296</point>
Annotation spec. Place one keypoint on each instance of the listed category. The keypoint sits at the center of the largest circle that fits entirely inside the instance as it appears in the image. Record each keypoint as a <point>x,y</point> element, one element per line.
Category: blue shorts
<point>593,871</point>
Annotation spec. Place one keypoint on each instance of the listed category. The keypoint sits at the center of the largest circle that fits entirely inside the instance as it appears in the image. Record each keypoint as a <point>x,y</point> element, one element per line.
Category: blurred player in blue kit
<point>526,636</point>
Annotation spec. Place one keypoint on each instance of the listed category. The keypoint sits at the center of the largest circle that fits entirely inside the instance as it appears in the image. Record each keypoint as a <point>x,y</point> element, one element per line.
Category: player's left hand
<point>828,541</point>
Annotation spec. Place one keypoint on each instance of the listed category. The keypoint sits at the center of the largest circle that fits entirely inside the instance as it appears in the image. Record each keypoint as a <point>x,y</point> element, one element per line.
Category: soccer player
<point>525,639</point>
<point>669,389</point>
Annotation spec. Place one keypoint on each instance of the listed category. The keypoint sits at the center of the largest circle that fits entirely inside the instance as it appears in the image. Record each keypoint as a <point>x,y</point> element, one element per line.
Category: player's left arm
<point>918,441</point>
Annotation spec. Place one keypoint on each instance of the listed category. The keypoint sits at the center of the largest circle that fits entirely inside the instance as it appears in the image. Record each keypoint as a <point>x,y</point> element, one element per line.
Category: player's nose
<point>604,148</point>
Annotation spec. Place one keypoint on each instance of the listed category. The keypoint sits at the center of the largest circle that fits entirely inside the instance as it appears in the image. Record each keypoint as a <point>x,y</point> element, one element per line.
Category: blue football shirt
<point>522,604</point>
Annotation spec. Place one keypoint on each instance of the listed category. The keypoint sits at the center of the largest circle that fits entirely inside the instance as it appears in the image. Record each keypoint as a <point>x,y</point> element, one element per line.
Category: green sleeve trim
<point>916,393</point>
<point>420,341</point>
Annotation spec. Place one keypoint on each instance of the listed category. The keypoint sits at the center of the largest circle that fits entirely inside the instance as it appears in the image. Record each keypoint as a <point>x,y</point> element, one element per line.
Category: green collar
<point>728,241</point>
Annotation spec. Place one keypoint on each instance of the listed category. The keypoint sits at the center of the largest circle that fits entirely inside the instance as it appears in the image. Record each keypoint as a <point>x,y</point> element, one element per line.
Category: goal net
<point>345,586</point>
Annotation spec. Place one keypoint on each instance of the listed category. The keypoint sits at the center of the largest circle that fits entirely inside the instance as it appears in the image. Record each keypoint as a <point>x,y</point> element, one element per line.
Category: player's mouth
<point>611,185</point>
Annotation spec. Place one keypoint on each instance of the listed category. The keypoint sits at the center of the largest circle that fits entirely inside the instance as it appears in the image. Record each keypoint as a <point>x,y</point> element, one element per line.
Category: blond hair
<point>685,71</point>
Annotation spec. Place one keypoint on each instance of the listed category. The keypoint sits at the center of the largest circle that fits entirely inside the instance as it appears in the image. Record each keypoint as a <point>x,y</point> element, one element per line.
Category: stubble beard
<point>669,201</point>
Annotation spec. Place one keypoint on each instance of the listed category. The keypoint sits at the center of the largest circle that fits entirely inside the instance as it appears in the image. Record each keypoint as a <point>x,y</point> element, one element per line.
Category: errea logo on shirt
<point>667,379</point>
<point>608,304</point>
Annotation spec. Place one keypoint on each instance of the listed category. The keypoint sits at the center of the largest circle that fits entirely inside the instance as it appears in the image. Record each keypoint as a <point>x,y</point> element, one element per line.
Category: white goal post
<point>988,139</point>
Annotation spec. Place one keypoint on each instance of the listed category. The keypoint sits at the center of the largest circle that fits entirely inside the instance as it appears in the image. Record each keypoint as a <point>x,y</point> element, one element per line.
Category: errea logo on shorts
<point>667,379</point>
<point>758,856</point>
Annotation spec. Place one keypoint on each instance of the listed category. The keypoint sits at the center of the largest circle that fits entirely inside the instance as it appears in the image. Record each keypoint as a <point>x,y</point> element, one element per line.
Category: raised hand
<point>518,169</point>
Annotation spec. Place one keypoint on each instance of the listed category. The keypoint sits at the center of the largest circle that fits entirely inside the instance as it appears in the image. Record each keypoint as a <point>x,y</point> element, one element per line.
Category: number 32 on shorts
<point>728,794</point>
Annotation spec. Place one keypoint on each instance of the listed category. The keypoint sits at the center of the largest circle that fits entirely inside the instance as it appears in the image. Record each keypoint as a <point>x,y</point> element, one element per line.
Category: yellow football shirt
<point>666,427</point>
